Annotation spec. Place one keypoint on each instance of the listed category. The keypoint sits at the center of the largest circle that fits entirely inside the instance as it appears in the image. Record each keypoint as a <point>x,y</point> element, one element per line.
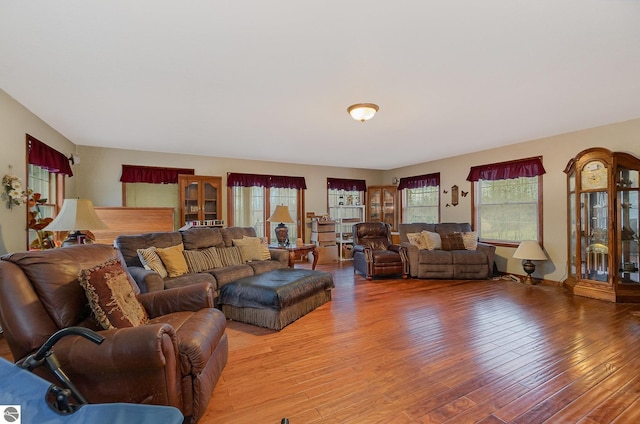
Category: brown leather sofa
<point>373,252</point>
<point>174,359</point>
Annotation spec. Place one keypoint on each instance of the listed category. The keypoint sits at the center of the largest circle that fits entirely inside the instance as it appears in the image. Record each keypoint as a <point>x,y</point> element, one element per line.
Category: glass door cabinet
<point>603,226</point>
<point>200,200</point>
<point>383,205</point>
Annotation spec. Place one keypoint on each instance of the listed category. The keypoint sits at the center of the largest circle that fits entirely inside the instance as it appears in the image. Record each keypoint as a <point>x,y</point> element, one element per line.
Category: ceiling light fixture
<point>362,111</point>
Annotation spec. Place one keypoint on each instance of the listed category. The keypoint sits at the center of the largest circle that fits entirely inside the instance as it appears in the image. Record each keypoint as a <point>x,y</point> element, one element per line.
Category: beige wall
<point>15,122</point>
<point>556,152</point>
<point>97,176</point>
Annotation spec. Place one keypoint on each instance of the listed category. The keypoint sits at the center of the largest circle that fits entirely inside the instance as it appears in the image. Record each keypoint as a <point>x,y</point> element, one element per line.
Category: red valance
<point>152,174</point>
<point>346,184</point>
<point>530,167</point>
<point>426,180</point>
<point>235,179</point>
<point>48,158</point>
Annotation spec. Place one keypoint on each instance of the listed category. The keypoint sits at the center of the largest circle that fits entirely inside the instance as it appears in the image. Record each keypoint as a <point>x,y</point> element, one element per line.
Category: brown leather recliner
<point>373,252</point>
<point>175,359</point>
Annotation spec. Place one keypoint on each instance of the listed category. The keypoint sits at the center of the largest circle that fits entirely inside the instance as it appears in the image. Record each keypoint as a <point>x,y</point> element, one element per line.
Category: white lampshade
<point>281,214</point>
<point>362,111</point>
<point>530,249</point>
<point>76,215</point>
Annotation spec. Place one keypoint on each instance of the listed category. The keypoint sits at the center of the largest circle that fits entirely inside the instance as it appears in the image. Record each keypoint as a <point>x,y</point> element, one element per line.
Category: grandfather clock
<point>603,227</point>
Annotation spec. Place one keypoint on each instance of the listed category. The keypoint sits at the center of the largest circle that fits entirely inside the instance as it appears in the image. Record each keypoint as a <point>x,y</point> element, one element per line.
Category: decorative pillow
<point>432,240</point>
<point>173,259</point>
<point>470,240</point>
<point>151,261</point>
<point>202,260</point>
<point>452,242</point>
<point>249,248</point>
<point>230,256</point>
<point>264,248</point>
<point>417,240</point>
<point>111,296</point>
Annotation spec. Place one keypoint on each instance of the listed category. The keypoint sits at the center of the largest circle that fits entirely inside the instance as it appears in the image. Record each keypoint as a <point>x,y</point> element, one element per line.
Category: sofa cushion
<point>230,273</point>
<point>198,238</point>
<point>250,248</point>
<point>111,296</point>
<point>470,240</point>
<point>231,233</point>
<point>452,242</point>
<point>202,260</point>
<point>468,257</point>
<point>260,267</point>
<point>417,240</point>
<point>230,256</point>
<point>432,240</point>
<point>435,257</point>
<point>151,260</point>
<point>173,260</point>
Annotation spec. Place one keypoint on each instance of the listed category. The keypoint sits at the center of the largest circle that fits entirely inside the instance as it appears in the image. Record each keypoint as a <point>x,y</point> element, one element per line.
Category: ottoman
<point>276,298</point>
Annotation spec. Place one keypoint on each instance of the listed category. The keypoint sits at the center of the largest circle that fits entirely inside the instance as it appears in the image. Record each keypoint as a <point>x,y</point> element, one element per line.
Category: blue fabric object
<point>26,390</point>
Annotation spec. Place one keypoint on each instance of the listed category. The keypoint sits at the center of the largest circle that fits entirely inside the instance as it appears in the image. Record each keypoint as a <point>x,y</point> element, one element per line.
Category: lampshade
<point>362,111</point>
<point>530,249</point>
<point>281,214</point>
<point>76,215</point>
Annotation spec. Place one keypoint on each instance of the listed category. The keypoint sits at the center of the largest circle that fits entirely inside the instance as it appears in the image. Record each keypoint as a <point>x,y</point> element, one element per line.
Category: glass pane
<point>248,208</point>
<point>288,197</point>
<point>210,202</point>
<point>595,251</point>
<point>421,204</point>
<point>191,206</point>
<point>573,233</point>
<point>628,236</point>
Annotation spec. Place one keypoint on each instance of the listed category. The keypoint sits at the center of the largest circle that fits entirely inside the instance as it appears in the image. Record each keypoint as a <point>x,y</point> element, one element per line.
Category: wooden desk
<point>298,249</point>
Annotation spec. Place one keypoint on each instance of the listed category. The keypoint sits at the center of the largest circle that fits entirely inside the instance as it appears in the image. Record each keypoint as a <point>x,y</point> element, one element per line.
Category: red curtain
<point>235,179</point>
<point>48,158</point>
<point>346,184</point>
<point>426,180</point>
<point>152,174</point>
<point>530,167</point>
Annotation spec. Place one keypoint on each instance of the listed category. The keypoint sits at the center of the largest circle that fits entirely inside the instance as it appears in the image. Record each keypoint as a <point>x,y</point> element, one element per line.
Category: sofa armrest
<point>490,251</point>
<point>147,280</point>
<point>187,298</point>
<point>280,255</point>
<point>412,256</point>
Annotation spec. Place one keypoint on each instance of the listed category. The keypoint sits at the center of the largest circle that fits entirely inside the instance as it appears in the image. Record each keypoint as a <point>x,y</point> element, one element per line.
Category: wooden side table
<point>295,249</point>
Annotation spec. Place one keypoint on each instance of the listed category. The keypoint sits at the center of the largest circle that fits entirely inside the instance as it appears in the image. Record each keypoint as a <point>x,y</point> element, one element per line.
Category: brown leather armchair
<point>175,359</point>
<point>373,252</point>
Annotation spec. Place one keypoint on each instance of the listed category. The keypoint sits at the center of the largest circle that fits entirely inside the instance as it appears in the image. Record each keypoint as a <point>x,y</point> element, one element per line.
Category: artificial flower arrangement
<point>13,194</point>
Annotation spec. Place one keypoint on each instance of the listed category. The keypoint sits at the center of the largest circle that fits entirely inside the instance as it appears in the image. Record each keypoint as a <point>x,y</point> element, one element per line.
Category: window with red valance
<point>346,184</point>
<point>235,179</point>
<point>47,158</point>
<point>529,167</point>
<point>426,180</point>
<point>152,174</point>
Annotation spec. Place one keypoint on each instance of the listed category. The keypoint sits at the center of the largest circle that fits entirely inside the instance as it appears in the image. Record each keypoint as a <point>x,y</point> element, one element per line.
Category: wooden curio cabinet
<point>603,188</point>
<point>383,205</point>
<point>200,200</point>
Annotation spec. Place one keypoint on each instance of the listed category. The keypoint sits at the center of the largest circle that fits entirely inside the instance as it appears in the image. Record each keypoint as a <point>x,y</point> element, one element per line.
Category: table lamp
<point>76,215</point>
<point>531,251</point>
<point>281,215</point>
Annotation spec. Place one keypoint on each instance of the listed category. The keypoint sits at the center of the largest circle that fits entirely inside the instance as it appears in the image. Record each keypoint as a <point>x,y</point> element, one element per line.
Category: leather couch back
<point>40,292</point>
<point>231,233</point>
<point>128,245</point>
<point>196,238</point>
<point>376,235</point>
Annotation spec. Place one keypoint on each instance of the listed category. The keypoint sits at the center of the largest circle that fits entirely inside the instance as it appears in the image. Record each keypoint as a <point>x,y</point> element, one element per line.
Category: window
<point>507,201</point>
<point>420,198</point>
<point>253,198</point>
<point>341,192</point>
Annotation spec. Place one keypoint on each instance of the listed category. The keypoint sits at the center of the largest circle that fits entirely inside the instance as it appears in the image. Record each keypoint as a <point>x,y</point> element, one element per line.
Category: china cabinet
<point>603,188</point>
<point>382,205</point>
<point>200,200</point>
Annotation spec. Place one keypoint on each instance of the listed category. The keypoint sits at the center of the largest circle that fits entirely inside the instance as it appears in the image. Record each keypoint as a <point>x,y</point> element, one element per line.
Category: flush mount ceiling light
<point>362,111</point>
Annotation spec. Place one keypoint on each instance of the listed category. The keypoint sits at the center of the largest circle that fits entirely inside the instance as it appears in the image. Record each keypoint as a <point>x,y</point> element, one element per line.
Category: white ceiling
<point>271,80</point>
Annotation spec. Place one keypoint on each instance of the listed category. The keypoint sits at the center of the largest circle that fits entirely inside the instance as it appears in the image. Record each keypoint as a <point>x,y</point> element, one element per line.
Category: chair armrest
<point>396,248</point>
<point>187,298</point>
<point>147,280</point>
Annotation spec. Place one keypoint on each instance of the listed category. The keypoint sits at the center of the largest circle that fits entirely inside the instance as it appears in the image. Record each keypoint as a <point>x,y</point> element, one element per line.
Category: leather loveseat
<point>473,261</point>
<point>173,358</point>
<point>194,240</point>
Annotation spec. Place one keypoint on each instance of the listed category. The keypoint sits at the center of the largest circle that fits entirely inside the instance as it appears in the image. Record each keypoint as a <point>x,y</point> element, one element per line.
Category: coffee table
<point>295,249</point>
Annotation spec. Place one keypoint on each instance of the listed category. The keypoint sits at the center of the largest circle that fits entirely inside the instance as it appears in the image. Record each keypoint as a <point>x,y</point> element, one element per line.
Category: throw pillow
<point>432,240</point>
<point>417,240</point>
<point>151,261</point>
<point>173,260</point>
<point>249,248</point>
<point>470,240</point>
<point>264,248</point>
<point>230,256</point>
<point>202,260</point>
<point>111,296</point>
<point>452,242</point>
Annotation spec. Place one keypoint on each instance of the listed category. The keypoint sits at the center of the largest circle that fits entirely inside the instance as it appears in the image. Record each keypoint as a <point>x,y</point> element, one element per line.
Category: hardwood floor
<point>417,351</point>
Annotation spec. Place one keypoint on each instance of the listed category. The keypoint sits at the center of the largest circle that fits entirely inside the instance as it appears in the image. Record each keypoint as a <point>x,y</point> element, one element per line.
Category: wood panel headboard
<point>125,220</point>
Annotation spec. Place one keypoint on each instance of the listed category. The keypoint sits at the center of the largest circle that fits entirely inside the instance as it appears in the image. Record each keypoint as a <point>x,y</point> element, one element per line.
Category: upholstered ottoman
<point>276,298</point>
